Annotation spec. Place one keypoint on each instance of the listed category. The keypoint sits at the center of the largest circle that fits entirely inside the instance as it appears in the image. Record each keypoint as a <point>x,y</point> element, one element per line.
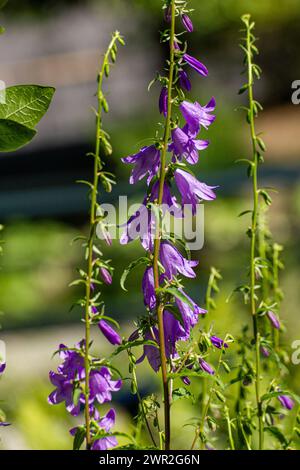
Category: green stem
<point>142,408</point>
<point>254,239</point>
<point>160,307</point>
<point>200,429</point>
<point>93,218</point>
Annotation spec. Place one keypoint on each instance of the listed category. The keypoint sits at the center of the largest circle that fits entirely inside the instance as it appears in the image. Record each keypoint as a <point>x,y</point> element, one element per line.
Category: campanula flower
<point>197,115</point>
<point>174,263</point>
<point>163,101</point>
<point>189,311</point>
<point>196,65</point>
<point>273,319</point>
<point>206,367</point>
<point>146,162</point>
<point>286,402</point>
<point>110,334</point>
<point>187,23</point>
<point>185,146</point>
<point>193,191</point>
<point>105,275</point>
<point>218,342</point>
<point>148,288</point>
<point>101,385</point>
<point>2,367</point>
<point>184,80</point>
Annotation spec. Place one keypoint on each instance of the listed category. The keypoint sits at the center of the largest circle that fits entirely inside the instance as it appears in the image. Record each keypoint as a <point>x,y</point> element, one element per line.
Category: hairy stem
<point>92,236</point>
<point>254,236</point>
<point>160,307</point>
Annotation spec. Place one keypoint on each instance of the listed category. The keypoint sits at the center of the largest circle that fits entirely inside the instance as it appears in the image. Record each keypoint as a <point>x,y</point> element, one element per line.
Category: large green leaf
<point>26,104</point>
<point>14,135</point>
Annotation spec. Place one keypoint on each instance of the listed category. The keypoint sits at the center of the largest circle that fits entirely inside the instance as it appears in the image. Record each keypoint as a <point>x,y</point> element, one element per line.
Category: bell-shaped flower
<point>146,162</point>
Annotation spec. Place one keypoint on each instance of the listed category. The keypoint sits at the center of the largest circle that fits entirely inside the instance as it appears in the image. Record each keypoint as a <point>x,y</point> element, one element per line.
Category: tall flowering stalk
<point>171,312</point>
<point>84,380</point>
<point>257,148</point>
<point>263,292</point>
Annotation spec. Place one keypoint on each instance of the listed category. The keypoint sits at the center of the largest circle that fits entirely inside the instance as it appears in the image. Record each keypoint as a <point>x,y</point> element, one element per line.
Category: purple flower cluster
<point>184,147</point>
<point>69,383</point>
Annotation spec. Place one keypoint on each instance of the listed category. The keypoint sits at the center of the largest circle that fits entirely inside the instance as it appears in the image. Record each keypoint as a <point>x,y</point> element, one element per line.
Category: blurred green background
<point>59,43</point>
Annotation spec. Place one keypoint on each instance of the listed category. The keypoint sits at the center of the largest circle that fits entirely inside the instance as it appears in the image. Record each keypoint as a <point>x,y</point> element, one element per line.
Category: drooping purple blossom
<point>102,385</point>
<point>187,23</point>
<point>185,146</point>
<point>140,225</point>
<point>146,162</point>
<point>196,65</point>
<point>110,334</point>
<point>184,80</point>
<point>71,373</point>
<point>218,342</point>
<point>265,352</point>
<point>273,320</point>
<point>106,423</point>
<point>169,201</point>
<point>206,367</point>
<point>173,332</point>
<point>148,288</point>
<point>104,443</point>
<point>189,311</point>
<point>186,380</point>
<point>286,402</point>
<point>168,14</point>
<point>63,393</point>
<point>105,275</point>
<point>192,190</point>
<point>163,101</point>
<point>174,263</point>
<point>197,115</point>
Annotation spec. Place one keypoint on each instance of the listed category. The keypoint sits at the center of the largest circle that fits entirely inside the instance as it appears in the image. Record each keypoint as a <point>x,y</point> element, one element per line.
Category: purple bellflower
<point>286,402</point>
<point>273,320</point>
<point>206,367</point>
<point>148,288</point>
<point>184,81</point>
<point>71,373</point>
<point>174,263</point>
<point>163,101</point>
<point>184,145</point>
<point>110,334</point>
<point>105,275</point>
<point>265,352</point>
<point>146,162</point>
<point>196,65</point>
<point>197,115</point>
<point>218,342</point>
<point>189,311</point>
<point>101,385</point>
<point>187,23</point>
<point>140,225</point>
<point>173,332</point>
<point>192,190</point>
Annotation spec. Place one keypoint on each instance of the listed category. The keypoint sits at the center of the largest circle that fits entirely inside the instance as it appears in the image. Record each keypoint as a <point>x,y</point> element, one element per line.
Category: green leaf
<point>134,344</point>
<point>176,293</point>
<point>278,434</point>
<point>14,135</point>
<point>79,438</point>
<point>127,271</point>
<point>181,392</point>
<point>26,104</point>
